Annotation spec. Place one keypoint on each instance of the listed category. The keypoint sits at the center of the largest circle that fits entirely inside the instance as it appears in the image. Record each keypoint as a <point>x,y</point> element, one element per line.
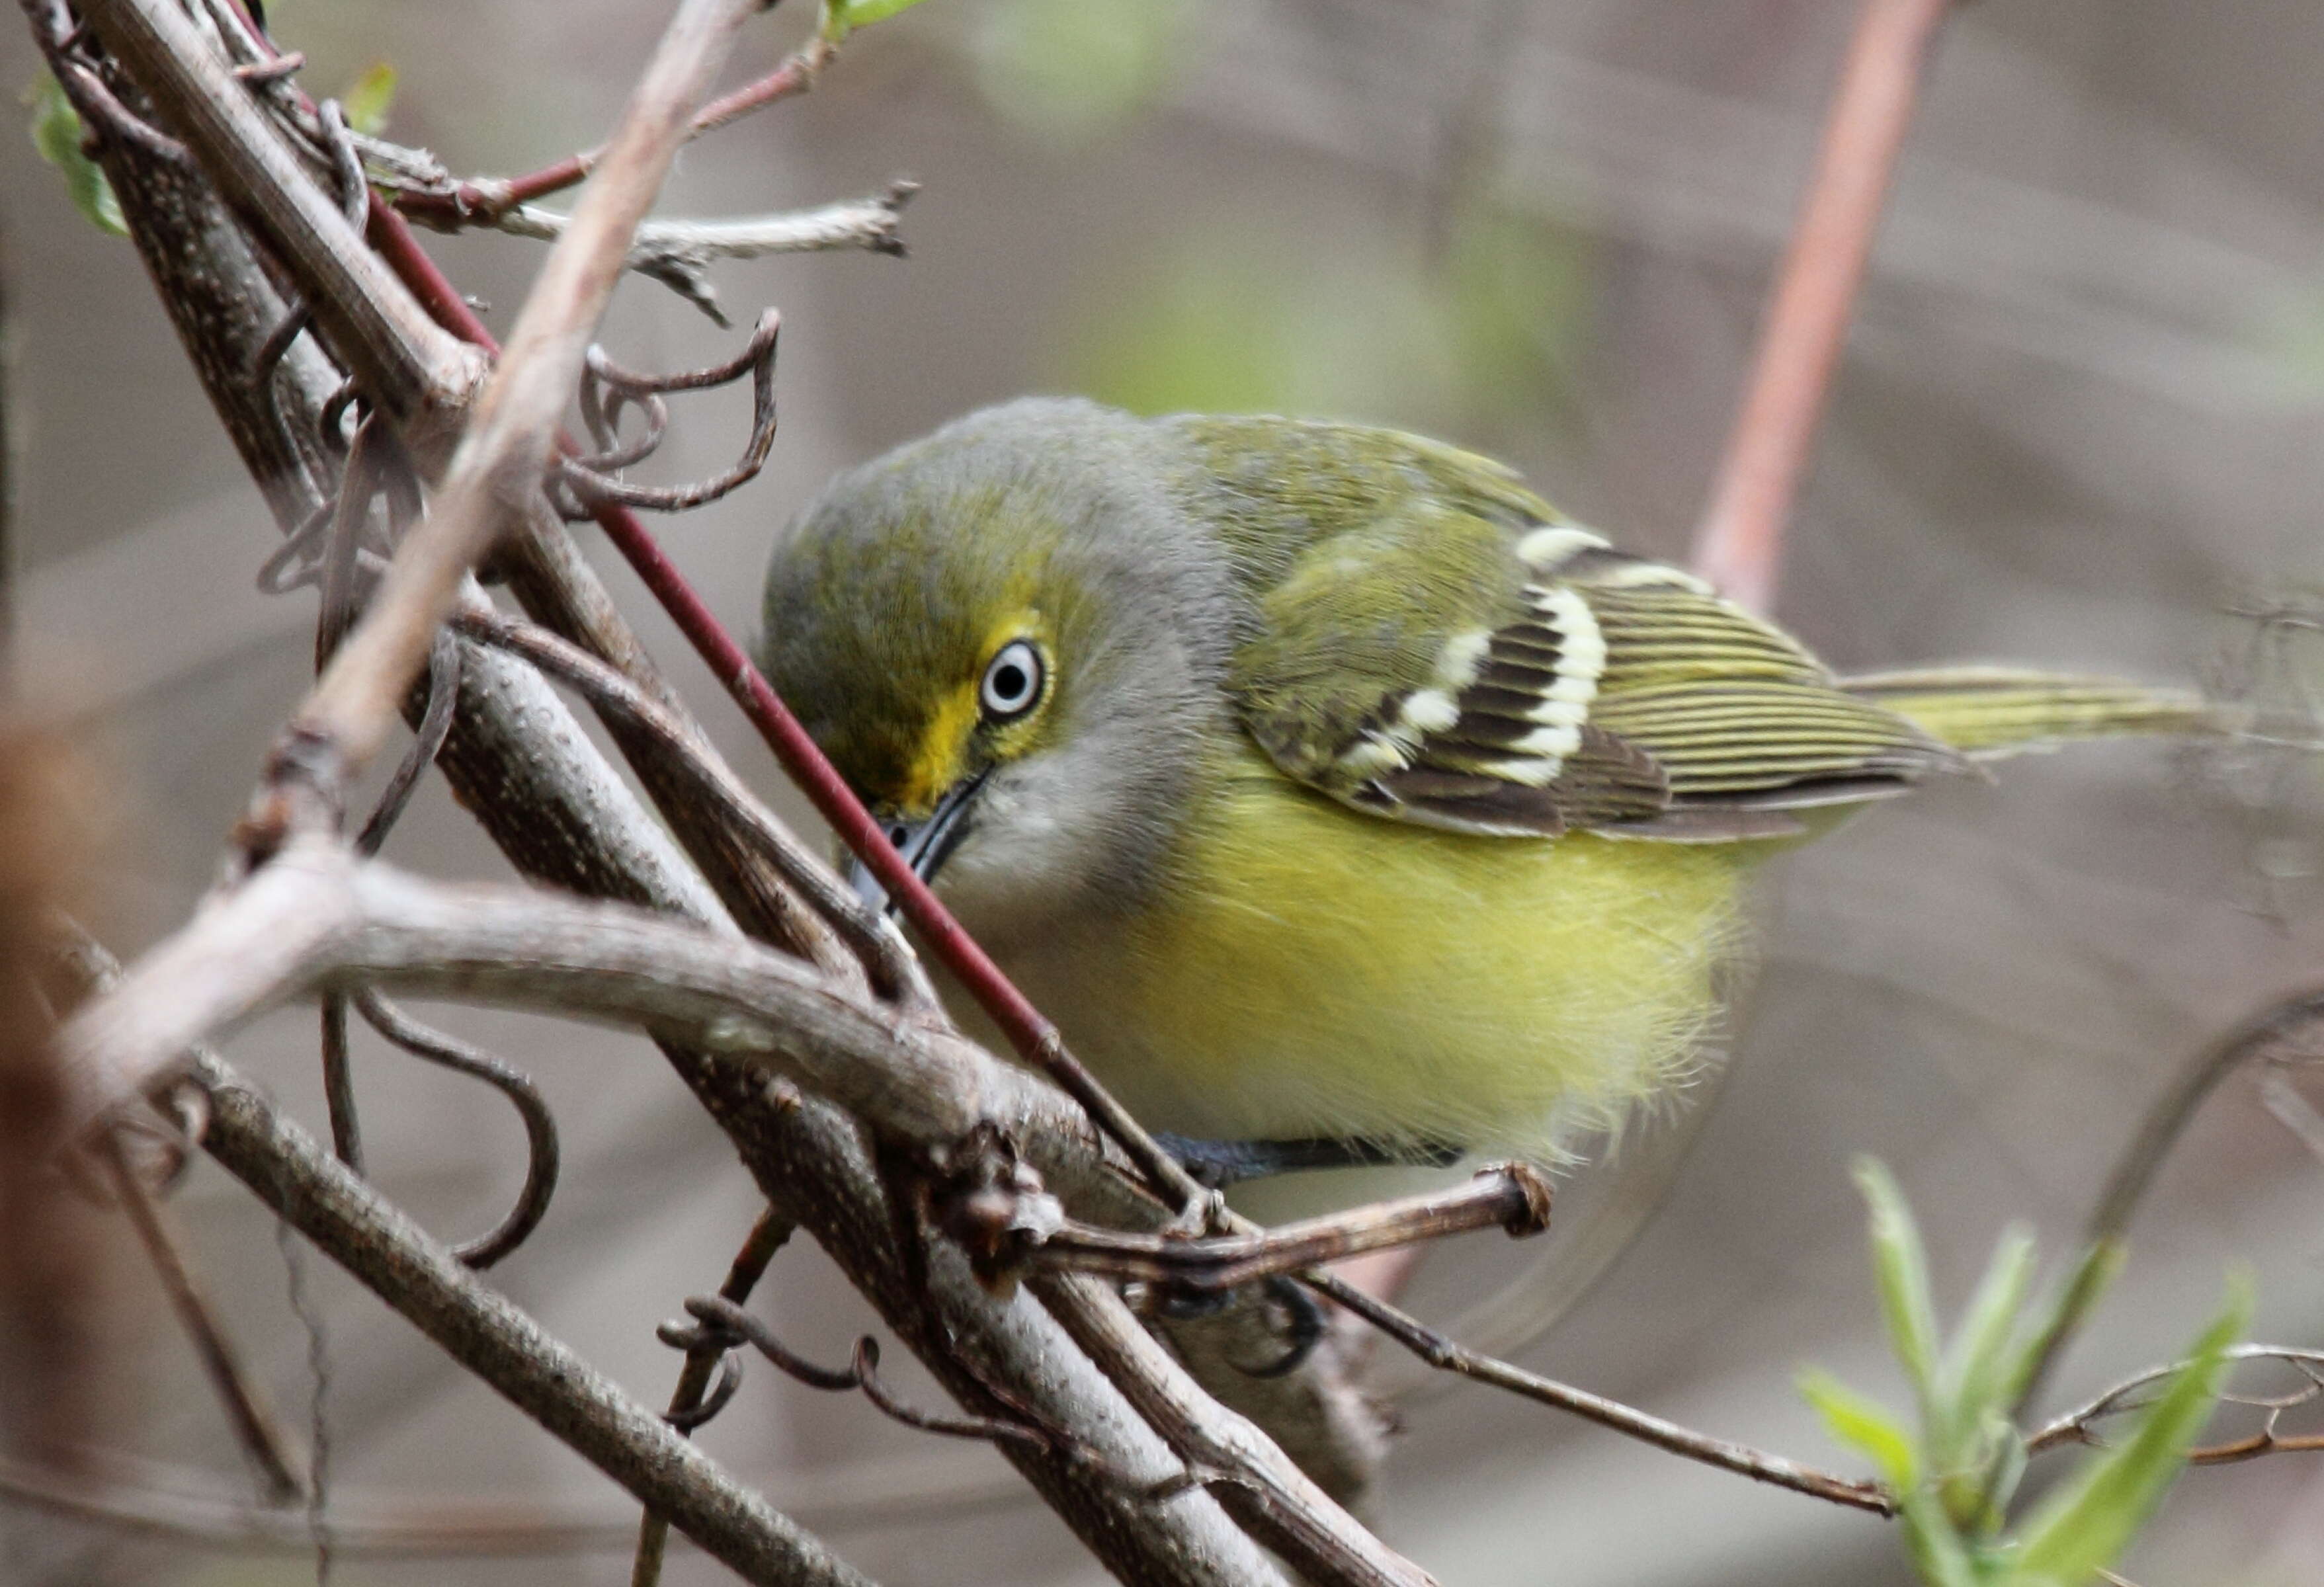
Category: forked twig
<point>483,201</point>
<point>2077,1425</point>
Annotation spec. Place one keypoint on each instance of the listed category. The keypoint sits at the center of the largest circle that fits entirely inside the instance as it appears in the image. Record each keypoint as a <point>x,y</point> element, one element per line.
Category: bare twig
<point>315,916</point>
<point>255,1427</point>
<point>767,1237</point>
<point>678,253</point>
<point>349,1220</point>
<point>724,1323</point>
<point>1739,542</point>
<point>1513,1197</point>
<point>897,975</point>
<point>1445,1355</point>
<point>2079,1426</point>
<point>513,429</point>
<point>484,199</point>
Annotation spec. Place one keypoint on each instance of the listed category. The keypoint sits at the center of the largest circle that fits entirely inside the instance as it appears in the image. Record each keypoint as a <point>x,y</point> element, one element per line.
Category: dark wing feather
<point>1434,644</point>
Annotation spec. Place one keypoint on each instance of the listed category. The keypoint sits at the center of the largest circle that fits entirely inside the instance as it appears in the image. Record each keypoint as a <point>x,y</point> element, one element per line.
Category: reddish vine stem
<point>1739,543</point>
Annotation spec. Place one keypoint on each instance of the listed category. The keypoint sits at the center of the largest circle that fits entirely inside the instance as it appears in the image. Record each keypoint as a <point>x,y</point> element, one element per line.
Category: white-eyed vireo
<point>1323,781</point>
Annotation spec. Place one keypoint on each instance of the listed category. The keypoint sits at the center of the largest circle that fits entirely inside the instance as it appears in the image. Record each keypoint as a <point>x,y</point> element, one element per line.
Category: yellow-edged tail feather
<point>1989,712</point>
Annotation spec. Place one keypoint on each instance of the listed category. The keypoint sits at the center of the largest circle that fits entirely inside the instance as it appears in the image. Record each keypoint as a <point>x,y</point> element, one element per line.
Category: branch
<point>1445,1355</point>
<point>479,1328</point>
<point>1513,1197</point>
<point>484,199</point>
<point>505,450</point>
<point>2076,1427</point>
<point>1739,542</point>
<point>419,374</point>
<point>318,917</point>
<point>676,253</point>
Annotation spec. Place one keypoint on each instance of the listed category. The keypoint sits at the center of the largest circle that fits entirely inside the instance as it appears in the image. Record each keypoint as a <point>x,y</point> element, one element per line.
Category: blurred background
<point>2079,416</point>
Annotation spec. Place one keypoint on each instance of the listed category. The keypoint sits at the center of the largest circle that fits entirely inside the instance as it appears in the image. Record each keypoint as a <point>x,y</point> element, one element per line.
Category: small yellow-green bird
<point>1324,783</point>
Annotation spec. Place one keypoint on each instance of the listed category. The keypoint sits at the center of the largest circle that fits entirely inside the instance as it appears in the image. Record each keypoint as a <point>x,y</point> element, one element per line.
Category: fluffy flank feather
<point>1990,712</point>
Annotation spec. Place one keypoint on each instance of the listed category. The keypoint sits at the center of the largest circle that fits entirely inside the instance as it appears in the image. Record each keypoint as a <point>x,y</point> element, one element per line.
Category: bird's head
<point>1009,639</point>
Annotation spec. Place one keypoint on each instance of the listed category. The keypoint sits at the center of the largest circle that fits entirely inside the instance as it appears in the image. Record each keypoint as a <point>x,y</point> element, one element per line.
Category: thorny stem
<point>1445,1355</point>
<point>1740,542</point>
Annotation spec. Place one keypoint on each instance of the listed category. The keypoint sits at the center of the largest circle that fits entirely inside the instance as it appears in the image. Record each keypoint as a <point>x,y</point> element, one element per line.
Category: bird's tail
<point>1989,712</point>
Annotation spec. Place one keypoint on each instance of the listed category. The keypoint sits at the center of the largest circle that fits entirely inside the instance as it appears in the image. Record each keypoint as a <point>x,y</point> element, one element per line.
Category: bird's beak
<point>925,844</point>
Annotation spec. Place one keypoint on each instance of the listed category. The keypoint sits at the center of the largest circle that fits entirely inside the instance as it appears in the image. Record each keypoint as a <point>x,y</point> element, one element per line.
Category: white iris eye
<point>1013,681</point>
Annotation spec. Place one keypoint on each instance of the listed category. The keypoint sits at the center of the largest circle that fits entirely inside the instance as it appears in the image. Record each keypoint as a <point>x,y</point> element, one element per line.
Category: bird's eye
<point>1012,682</point>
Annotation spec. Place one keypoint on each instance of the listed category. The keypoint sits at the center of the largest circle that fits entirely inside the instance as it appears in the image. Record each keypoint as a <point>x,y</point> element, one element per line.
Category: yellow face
<point>1000,712</point>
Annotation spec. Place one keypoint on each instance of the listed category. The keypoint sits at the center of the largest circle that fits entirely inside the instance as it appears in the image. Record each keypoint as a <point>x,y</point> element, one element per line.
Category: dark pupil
<point>1010,683</point>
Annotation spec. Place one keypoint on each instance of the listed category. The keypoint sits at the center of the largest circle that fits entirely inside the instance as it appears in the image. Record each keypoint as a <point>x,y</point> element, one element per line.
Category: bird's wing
<point>1436,644</point>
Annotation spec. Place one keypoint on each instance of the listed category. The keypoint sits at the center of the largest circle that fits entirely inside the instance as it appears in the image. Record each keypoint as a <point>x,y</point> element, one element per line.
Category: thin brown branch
<point>486,200</point>
<point>513,429</point>
<point>1513,1197</point>
<point>2165,1121</point>
<point>360,1230</point>
<point>255,1427</point>
<point>2079,1426</point>
<point>1739,543</point>
<point>1445,1355</point>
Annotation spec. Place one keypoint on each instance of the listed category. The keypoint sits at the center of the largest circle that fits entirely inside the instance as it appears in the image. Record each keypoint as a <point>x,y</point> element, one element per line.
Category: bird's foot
<point>1303,1333</point>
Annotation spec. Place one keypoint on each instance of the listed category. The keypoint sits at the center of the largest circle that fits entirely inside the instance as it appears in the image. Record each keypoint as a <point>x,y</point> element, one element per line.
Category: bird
<point>1339,799</point>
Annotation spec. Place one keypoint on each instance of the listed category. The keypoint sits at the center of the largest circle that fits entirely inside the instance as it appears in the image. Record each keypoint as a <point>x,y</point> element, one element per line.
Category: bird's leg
<point>1217,1164</point>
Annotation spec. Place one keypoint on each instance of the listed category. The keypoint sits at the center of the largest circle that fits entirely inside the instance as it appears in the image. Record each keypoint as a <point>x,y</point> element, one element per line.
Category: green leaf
<point>1972,1374</point>
<point>57,134</point>
<point>366,101</point>
<point>1863,1425</point>
<point>2086,1525</point>
<point>842,17</point>
<point>1901,1265</point>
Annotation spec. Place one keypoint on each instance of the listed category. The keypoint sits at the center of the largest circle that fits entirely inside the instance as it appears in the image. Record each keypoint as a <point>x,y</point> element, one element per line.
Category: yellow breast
<point>1310,969</point>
